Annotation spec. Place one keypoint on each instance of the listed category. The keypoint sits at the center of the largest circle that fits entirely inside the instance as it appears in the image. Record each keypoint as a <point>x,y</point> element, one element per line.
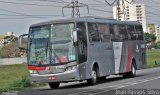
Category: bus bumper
<point>66,76</point>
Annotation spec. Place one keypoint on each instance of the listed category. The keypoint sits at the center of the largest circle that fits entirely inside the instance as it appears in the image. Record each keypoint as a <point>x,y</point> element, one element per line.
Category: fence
<point>11,61</point>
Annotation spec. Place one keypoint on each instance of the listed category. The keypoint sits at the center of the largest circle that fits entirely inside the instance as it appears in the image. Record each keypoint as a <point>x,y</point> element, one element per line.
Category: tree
<point>158,45</point>
<point>149,37</point>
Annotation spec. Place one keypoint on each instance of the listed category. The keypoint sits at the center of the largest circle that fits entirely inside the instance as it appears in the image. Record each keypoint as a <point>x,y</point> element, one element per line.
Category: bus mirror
<point>23,40</point>
<point>75,39</point>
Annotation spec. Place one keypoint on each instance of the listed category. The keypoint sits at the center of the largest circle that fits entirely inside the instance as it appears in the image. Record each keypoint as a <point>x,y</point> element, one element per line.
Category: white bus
<point>85,48</point>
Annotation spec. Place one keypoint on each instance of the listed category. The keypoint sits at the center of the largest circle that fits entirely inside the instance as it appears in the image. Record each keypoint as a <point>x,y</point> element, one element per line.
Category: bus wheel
<point>93,80</point>
<point>133,70</point>
<point>54,85</point>
<point>132,73</point>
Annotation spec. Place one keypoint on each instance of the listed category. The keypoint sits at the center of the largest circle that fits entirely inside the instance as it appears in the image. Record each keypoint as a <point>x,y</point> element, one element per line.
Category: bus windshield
<point>62,47</point>
<point>39,45</point>
<point>51,44</point>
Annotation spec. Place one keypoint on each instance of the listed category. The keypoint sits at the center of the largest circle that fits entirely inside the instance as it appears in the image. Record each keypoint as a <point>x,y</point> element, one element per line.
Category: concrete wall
<point>11,61</point>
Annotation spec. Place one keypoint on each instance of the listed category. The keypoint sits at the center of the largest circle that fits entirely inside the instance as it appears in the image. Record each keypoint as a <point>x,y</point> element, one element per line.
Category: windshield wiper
<point>47,47</point>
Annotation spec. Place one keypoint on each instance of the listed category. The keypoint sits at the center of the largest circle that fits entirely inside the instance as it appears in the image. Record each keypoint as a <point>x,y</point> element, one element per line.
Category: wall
<point>11,61</point>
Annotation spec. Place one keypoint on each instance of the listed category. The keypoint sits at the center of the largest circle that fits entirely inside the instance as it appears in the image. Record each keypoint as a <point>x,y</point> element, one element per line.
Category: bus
<point>84,48</point>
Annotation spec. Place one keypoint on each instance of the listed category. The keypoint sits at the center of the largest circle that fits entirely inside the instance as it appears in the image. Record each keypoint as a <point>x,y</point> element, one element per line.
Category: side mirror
<point>75,38</point>
<point>23,41</point>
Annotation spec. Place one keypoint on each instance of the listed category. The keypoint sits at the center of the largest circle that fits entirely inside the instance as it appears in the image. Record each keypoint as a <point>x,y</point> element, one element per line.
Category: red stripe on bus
<point>129,59</point>
<point>36,68</point>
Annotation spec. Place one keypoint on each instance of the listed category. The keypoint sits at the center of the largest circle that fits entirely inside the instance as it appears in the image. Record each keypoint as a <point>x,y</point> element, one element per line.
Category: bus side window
<point>131,32</point>
<point>104,32</point>
<point>139,32</point>
<point>116,32</point>
<point>112,32</point>
<point>93,32</point>
<point>122,32</point>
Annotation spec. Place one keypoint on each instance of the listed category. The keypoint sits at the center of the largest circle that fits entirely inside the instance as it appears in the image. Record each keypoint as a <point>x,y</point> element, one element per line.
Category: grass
<point>153,58</point>
<point>16,76</point>
<point>11,73</point>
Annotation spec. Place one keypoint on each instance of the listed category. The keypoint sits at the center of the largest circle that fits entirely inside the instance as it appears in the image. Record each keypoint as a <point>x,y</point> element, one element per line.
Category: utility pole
<point>75,5</point>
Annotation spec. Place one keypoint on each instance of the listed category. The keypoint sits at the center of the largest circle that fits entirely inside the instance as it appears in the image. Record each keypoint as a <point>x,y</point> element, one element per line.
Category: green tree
<point>158,45</point>
<point>149,37</point>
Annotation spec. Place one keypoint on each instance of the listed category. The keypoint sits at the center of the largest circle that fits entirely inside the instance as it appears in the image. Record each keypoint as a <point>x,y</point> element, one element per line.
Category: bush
<point>18,84</point>
<point>21,83</point>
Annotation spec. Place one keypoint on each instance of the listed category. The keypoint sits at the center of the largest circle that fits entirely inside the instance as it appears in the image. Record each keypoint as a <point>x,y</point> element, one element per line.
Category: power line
<point>21,13</point>
<point>64,1</point>
<point>25,15</point>
<point>153,8</point>
<point>100,10</point>
<point>111,4</point>
<point>129,2</point>
<point>55,1</point>
<point>29,4</point>
<point>155,2</point>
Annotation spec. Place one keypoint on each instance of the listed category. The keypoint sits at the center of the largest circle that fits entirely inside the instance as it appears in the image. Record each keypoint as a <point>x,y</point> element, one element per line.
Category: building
<point>133,12</point>
<point>7,38</point>
<point>1,40</point>
<point>155,29</point>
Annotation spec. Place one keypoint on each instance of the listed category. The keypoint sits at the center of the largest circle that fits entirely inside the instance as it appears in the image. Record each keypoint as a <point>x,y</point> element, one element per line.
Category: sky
<point>17,15</point>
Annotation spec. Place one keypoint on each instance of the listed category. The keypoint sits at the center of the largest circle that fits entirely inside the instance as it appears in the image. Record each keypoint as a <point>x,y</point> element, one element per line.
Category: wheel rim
<point>94,75</point>
<point>133,70</point>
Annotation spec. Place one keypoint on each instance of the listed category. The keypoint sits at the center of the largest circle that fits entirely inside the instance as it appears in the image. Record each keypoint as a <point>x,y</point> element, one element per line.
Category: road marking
<point>122,85</point>
<point>144,80</point>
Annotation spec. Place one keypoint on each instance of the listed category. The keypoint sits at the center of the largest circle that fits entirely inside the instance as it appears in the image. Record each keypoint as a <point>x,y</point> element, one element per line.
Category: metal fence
<point>11,61</point>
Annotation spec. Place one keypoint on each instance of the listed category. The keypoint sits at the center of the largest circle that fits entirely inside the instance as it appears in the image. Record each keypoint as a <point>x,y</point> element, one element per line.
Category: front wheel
<point>54,85</point>
<point>93,80</point>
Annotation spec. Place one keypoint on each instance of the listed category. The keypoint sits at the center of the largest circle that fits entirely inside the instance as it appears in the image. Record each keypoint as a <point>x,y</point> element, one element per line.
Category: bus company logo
<point>117,47</point>
<point>137,48</point>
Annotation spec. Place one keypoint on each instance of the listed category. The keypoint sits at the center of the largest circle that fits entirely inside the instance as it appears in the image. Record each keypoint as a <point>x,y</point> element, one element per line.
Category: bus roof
<point>88,19</point>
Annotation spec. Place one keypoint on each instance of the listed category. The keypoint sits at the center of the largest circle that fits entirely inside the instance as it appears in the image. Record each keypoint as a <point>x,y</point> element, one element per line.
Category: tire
<point>54,85</point>
<point>133,70</point>
<point>93,80</point>
<point>132,73</point>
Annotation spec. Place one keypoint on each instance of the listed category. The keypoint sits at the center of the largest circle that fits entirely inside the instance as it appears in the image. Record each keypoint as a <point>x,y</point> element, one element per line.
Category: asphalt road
<point>147,82</point>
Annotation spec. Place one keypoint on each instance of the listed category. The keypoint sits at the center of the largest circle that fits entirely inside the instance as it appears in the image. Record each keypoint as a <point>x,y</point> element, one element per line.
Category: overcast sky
<point>17,15</point>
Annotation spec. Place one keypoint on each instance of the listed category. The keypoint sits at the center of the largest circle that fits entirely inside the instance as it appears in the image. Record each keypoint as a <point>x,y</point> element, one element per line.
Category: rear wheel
<point>54,85</point>
<point>132,73</point>
<point>93,80</point>
<point>133,70</point>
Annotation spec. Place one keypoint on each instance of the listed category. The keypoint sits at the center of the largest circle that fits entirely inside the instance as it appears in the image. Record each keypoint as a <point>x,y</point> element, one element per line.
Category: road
<point>146,82</point>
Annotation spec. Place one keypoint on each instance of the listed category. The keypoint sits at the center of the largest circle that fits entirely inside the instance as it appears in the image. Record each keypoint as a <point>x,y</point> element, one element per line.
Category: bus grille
<point>55,71</point>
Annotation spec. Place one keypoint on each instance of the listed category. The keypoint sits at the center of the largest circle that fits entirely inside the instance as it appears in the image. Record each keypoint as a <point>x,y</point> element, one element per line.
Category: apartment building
<point>131,12</point>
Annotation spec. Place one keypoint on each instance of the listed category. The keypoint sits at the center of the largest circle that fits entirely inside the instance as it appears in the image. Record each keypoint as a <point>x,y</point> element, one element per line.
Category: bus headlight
<point>71,68</point>
<point>33,72</point>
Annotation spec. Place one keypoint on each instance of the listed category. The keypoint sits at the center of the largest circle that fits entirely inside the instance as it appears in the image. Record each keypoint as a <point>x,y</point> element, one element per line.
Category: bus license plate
<point>52,78</point>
